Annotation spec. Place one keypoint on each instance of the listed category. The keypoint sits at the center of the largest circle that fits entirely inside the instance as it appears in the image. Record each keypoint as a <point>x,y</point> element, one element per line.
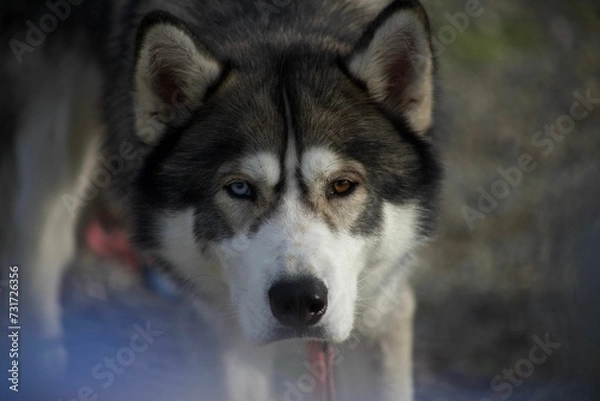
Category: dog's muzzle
<point>298,303</point>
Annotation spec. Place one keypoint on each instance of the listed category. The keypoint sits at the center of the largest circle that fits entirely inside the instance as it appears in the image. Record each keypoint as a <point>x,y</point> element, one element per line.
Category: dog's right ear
<point>173,72</point>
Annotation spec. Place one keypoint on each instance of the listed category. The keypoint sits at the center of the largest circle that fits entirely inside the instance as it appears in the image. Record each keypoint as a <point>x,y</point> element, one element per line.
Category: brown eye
<point>342,187</point>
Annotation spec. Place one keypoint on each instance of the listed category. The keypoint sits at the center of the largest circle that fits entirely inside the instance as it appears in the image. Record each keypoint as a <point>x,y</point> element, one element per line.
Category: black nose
<point>298,303</point>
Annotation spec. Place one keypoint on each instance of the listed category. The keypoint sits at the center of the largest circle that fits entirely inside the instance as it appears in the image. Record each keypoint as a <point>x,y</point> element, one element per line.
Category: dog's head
<point>285,179</point>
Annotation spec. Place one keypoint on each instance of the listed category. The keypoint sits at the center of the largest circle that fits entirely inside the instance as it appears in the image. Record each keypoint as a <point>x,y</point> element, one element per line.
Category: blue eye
<point>240,190</point>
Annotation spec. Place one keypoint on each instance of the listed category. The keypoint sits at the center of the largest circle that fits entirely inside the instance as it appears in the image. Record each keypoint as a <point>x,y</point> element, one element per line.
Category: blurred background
<point>500,274</point>
<point>516,262</point>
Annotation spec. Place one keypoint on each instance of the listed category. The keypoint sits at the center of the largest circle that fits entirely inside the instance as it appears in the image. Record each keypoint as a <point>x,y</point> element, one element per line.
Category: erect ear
<point>173,72</point>
<point>394,60</point>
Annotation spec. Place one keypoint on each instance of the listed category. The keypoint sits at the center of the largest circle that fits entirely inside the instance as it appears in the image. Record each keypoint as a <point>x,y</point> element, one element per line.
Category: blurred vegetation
<point>483,293</point>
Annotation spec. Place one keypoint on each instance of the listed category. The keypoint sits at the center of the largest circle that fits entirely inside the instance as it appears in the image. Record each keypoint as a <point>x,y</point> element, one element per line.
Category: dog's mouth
<point>283,333</point>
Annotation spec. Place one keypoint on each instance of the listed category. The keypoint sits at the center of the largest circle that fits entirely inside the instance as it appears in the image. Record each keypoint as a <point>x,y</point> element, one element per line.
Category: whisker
<point>366,277</point>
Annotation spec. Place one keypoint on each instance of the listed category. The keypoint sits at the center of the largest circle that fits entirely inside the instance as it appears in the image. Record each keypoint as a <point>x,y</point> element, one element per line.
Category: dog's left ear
<point>173,72</point>
<point>394,60</point>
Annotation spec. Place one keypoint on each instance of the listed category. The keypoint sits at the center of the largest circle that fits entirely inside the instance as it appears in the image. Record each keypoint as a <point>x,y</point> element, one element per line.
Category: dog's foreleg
<point>248,372</point>
<point>395,354</point>
<point>376,363</point>
<point>56,142</point>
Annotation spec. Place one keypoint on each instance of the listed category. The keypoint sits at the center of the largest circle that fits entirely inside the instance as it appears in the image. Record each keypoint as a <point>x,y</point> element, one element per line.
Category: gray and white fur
<point>286,146</point>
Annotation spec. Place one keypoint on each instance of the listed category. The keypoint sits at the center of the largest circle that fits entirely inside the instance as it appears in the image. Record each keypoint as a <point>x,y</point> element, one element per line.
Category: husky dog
<point>286,150</point>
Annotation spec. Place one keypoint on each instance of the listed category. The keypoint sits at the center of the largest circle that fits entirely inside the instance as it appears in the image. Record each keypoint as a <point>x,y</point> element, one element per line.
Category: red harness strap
<point>115,244</point>
<point>320,358</point>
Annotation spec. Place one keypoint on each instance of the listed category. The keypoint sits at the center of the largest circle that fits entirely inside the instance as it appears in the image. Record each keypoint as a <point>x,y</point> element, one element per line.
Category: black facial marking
<point>247,114</point>
<point>370,219</point>
<point>181,172</point>
<point>334,111</point>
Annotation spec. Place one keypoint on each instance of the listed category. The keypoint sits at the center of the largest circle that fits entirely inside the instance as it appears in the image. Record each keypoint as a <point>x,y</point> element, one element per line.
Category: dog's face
<point>284,185</point>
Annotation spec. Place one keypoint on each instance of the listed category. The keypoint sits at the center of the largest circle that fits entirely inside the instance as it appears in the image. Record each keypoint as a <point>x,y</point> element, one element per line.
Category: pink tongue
<point>320,357</point>
<point>114,244</point>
